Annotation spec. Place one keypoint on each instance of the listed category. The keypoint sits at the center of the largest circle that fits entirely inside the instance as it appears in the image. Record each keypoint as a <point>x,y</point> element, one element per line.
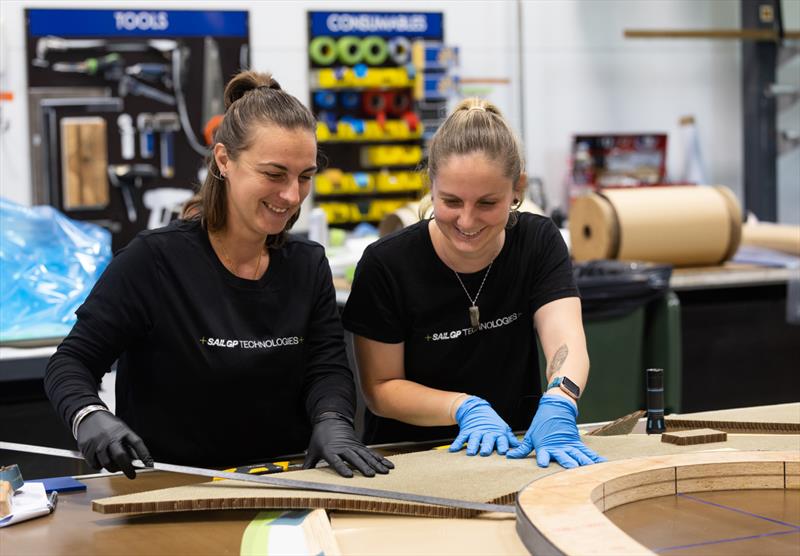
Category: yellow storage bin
<point>337,213</point>
<point>398,181</point>
<point>340,78</point>
<point>391,155</point>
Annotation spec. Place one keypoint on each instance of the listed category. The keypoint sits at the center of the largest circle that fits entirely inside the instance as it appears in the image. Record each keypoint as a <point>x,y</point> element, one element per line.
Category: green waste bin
<point>632,322</point>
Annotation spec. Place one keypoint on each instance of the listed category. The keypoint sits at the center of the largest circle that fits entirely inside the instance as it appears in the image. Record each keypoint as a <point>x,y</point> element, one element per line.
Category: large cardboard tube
<point>681,225</point>
<point>780,237</point>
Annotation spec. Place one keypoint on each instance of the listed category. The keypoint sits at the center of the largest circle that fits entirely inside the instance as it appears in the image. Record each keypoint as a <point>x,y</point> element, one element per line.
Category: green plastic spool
<point>374,50</point>
<point>349,50</point>
<point>322,50</point>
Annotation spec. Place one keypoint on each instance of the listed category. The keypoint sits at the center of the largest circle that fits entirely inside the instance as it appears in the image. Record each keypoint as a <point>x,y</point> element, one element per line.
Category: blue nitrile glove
<point>479,425</point>
<point>554,434</point>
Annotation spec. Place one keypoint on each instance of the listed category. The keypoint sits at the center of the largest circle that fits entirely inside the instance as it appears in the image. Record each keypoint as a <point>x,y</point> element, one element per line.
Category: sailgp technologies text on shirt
<point>267,343</point>
<point>468,331</point>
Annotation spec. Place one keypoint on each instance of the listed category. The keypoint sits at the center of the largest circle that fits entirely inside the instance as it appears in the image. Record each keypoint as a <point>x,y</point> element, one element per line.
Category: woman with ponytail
<point>446,338</point>
<point>225,328</point>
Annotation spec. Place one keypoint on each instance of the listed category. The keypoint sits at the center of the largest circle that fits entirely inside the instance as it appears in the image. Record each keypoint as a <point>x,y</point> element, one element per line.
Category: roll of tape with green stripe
<point>349,50</point>
<point>322,50</point>
<point>374,50</point>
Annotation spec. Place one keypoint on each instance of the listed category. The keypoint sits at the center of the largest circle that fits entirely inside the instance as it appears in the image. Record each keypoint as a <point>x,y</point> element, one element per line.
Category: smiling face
<point>471,200</point>
<point>268,181</point>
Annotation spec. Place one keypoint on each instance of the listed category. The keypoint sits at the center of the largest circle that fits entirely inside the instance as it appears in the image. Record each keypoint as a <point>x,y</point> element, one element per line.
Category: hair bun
<point>247,81</point>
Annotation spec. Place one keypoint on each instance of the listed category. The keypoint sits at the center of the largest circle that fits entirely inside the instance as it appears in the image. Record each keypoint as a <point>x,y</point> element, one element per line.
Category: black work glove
<point>334,440</point>
<point>106,441</point>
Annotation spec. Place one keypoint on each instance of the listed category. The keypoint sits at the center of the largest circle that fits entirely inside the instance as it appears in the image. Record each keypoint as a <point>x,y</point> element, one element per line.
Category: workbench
<point>75,529</point>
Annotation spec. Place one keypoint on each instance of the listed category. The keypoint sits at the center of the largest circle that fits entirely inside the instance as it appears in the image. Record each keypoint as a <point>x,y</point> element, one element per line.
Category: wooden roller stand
<point>562,514</point>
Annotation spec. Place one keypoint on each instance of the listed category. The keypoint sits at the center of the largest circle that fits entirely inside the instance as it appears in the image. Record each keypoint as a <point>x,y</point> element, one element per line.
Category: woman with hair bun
<point>226,330</point>
<point>446,312</point>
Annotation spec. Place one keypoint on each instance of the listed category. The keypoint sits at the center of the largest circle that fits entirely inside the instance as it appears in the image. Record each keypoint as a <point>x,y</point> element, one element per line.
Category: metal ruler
<point>293,484</point>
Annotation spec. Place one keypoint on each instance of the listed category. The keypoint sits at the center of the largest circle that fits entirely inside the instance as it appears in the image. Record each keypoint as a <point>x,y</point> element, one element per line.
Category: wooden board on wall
<point>84,155</point>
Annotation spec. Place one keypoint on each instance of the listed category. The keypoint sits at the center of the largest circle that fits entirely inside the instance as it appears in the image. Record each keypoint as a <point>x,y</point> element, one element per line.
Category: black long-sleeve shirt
<point>212,369</point>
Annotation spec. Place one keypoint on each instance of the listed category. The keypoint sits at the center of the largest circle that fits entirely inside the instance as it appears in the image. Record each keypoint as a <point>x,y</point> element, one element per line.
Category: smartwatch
<point>569,387</point>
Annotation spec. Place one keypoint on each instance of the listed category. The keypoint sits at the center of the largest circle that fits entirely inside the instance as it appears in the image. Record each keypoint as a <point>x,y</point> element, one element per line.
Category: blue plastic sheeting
<point>48,265</point>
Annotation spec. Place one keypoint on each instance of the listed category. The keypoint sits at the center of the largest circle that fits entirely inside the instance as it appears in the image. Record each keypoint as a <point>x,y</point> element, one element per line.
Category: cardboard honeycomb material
<point>623,425</point>
<point>493,479</point>
<point>556,512</point>
<point>695,436</point>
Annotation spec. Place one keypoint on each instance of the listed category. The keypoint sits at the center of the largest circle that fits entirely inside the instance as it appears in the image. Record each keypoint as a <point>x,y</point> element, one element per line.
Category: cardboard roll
<point>680,225</point>
<point>780,237</point>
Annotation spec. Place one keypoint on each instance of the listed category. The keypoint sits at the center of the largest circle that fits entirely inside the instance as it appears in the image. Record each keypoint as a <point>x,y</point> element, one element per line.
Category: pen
<point>52,501</point>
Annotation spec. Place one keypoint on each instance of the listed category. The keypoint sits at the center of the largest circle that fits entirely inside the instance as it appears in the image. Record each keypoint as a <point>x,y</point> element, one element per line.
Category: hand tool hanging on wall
<point>51,43</point>
<point>153,73</point>
<point>179,64</point>
<point>130,86</point>
<point>111,68</point>
<point>144,123</point>
<point>166,124</point>
<point>126,178</point>
<point>90,66</point>
<point>213,86</point>
<point>126,133</point>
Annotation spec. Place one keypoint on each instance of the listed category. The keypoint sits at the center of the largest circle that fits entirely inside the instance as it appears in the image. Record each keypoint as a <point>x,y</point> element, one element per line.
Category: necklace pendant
<point>474,316</point>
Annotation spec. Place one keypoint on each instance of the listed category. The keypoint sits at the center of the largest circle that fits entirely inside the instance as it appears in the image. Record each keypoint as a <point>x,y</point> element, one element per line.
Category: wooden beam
<point>725,34</point>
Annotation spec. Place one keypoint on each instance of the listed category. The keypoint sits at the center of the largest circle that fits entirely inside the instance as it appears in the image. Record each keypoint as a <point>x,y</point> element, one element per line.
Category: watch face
<point>573,388</point>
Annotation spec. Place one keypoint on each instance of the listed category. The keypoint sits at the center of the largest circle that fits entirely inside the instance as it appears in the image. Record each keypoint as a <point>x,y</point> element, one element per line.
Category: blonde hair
<point>251,99</point>
<point>476,125</point>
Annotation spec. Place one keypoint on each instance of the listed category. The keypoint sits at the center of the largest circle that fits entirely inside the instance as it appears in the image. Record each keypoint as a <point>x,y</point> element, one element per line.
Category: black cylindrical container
<point>655,401</point>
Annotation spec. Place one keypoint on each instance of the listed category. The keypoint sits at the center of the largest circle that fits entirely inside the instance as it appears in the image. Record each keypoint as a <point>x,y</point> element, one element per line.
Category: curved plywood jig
<point>563,514</point>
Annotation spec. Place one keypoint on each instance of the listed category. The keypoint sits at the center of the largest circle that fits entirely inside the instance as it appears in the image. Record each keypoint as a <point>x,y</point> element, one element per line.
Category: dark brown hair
<point>251,99</point>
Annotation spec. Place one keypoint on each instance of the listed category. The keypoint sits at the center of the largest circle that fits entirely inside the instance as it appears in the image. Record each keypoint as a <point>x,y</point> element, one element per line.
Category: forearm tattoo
<point>558,360</point>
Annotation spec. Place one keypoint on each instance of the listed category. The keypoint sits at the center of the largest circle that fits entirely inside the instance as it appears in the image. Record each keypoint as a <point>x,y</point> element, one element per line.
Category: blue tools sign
<point>137,23</point>
<point>409,24</point>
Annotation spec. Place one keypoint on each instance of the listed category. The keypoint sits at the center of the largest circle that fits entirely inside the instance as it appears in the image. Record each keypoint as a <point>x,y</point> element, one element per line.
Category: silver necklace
<point>474,312</point>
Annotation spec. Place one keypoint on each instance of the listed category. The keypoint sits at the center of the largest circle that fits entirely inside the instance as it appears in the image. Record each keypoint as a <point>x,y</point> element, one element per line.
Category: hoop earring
<point>221,177</point>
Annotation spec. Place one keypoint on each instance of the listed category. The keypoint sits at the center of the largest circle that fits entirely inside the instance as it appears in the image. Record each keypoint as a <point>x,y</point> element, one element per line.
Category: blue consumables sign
<point>136,23</point>
<point>411,24</point>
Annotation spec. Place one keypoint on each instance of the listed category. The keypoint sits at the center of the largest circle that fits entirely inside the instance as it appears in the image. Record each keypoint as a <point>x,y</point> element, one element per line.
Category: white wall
<point>278,40</point>
<point>580,74</point>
